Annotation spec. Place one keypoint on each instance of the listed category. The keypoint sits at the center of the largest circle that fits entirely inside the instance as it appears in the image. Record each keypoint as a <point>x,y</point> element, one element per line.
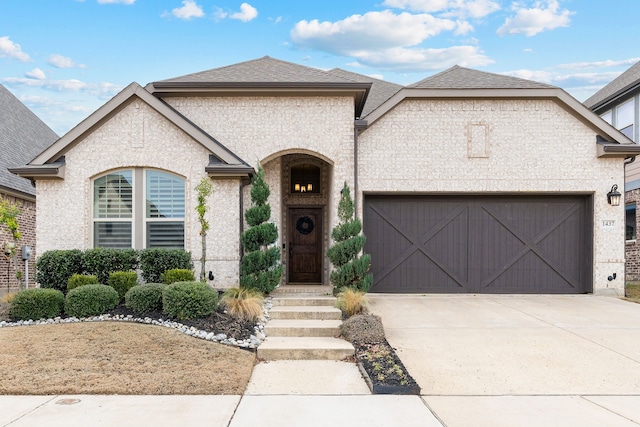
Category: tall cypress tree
<point>351,270</point>
<point>260,268</point>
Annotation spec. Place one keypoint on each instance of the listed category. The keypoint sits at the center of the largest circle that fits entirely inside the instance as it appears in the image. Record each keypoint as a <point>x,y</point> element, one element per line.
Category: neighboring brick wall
<point>27,228</point>
<point>535,146</point>
<point>632,247</point>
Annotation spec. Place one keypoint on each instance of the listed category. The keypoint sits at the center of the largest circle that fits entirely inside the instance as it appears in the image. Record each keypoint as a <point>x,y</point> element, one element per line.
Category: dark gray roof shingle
<point>380,91</point>
<point>262,70</point>
<point>22,137</point>
<point>618,86</point>
<point>458,77</point>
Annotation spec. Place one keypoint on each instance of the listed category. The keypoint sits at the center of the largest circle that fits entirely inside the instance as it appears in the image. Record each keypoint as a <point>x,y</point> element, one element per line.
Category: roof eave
<point>34,172</point>
<point>607,150</point>
<point>229,171</point>
<point>17,194</point>
<point>359,91</point>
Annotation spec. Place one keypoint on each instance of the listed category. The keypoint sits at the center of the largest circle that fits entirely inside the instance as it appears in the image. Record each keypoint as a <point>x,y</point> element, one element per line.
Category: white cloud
<point>188,10</point>
<point>545,15</point>
<point>246,14</point>
<point>454,8</point>
<point>462,28</point>
<point>36,73</point>
<point>60,61</point>
<point>371,31</point>
<point>12,50</point>
<point>102,90</point>
<point>116,1</point>
<point>388,41</point>
<point>599,64</point>
<point>416,60</point>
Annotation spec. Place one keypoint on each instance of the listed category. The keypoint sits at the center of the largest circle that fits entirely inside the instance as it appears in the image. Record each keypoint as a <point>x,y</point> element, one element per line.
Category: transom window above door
<point>138,208</point>
<point>305,178</point>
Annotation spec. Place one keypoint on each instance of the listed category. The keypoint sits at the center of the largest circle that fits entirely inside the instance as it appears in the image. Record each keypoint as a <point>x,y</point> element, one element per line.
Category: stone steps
<point>304,327</point>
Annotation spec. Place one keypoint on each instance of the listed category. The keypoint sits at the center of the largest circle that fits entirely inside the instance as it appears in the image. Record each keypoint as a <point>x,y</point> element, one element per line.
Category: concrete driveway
<point>519,360</point>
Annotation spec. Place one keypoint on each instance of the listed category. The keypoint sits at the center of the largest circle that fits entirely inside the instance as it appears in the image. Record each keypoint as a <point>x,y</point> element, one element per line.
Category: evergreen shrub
<point>36,304</point>
<point>90,300</point>
<point>189,300</point>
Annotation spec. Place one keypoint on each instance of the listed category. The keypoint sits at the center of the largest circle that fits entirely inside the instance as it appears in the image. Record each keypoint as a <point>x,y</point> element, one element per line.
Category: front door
<point>305,245</point>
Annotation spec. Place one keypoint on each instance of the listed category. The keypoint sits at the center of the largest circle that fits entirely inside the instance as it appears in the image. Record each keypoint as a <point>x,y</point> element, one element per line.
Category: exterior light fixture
<point>613,196</point>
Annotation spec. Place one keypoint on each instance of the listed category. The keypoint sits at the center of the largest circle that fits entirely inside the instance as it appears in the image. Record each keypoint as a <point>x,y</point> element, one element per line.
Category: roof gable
<point>380,91</point>
<point>625,82</point>
<point>458,77</point>
<point>262,70</point>
<point>55,152</point>
<point>22,136</point>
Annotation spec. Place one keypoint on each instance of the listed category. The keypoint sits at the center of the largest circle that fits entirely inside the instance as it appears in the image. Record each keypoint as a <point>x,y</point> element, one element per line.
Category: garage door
<point>479,244</point>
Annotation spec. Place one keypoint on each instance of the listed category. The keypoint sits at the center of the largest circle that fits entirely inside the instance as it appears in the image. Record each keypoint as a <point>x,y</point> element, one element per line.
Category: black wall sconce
<point>210,275</point>
<point>613,196</point>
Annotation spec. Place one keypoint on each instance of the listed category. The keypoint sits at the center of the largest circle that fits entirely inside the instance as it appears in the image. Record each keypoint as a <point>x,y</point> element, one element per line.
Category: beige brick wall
<point>139,137</point>
<point>27,229</point>
<point>260,129</point>
<point>426,146</point>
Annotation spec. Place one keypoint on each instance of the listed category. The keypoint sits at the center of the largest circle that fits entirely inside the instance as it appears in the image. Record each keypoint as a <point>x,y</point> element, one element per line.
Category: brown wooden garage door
<point>479,244</point>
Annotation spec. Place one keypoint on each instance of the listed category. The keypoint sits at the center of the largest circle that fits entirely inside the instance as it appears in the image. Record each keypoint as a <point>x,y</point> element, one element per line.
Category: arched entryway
<point>305,190</point>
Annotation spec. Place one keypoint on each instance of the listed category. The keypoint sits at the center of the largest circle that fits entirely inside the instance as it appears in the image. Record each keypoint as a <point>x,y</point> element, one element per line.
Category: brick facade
<point>27,228</point>
<point>632,247</point>
<point>532,146</point>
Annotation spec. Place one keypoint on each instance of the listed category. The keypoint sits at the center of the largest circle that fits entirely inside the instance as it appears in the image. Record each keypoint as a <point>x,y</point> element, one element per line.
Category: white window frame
<point>138,218</point>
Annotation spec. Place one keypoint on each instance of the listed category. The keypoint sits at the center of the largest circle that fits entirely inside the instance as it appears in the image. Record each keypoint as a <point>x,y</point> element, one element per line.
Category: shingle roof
<point>380,91</point>
<point>22,137</point>
<point>458,77</point>
<point>618,86</point>
<point>265,70</point>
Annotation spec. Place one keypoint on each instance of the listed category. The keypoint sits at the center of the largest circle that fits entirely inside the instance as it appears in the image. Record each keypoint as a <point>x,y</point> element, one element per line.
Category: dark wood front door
<point>305,245</point>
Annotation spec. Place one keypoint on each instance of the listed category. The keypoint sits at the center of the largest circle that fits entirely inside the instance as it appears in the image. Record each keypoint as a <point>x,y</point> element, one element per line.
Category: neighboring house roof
<point>22,136</point>
<point>381,90</point>
<point>620,86</point>
<point>267,76</point>
<point>50,163</point>
<point>458,77</point>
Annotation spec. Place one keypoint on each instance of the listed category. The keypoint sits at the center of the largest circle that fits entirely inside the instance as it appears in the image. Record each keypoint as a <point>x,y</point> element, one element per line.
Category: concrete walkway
<point>480,361</point>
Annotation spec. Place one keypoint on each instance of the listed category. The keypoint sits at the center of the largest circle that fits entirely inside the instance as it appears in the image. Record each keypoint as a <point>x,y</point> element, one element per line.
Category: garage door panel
<point>529,274</point>
<point>528,244</point>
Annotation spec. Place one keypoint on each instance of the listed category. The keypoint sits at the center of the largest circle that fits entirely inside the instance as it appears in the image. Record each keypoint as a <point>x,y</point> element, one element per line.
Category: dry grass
<point>243,303</point>
<point>117,358</point>
<point>351,301</point>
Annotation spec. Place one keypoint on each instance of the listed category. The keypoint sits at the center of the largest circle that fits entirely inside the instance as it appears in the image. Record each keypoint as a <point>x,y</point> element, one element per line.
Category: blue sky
<point>65,58</point>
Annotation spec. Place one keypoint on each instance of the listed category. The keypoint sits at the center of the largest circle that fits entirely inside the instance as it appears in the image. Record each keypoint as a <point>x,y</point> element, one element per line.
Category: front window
<point>625,118</point>
<point>305,179</point>
<point>630,221</point>
<point>158,222</point>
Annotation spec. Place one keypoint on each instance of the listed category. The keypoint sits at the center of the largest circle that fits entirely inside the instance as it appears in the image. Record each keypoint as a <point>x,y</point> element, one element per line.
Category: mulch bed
<point>219,322</point>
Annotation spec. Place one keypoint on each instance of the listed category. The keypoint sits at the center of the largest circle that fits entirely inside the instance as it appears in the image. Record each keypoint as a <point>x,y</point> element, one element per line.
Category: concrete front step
<point>303,328</point>
<point>289,300</point>
<point>305,312</point>
<point>305,348</point>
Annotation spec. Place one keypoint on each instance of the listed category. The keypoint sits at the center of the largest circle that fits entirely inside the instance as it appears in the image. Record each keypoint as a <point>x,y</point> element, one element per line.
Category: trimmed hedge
<point>81,280</point>
<point>90,300</point>
<point>189,300</point>
<point>100,261</point>
<point>178,275</point>
<point>54,268</point>
<point>36,304</point>
<point>145,298</point>
<point>154,262</point>
<point>122,281</point>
